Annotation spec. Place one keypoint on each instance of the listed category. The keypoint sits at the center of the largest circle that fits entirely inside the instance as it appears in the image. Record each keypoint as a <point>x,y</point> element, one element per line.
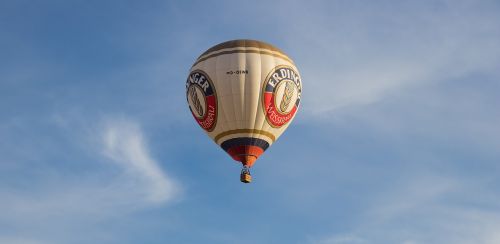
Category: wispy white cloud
<point>18,240</point>
<point>360,53</point>
<point>123,143</point>
<point>123,178</point>
<point>425,210</point>
<point>340,239</point>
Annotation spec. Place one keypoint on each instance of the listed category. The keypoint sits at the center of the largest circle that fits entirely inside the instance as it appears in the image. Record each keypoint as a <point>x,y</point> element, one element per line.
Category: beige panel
<point>238,88</point>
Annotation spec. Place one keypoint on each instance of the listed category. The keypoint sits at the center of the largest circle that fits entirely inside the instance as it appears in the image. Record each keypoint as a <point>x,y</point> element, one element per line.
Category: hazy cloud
<point>120,177</point>
<point>340,239</point>
<point>359,53</point>
<point>425,210</point>
<point>18,240</point>
<point>124,144</point>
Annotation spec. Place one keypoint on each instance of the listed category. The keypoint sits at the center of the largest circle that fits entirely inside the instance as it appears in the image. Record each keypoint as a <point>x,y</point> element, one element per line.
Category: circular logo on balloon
<point>202,99</point>
<point>282,89</point>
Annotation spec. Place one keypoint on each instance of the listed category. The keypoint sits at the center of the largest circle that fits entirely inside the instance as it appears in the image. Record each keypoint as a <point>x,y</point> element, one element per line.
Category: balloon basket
<point>245,178</point>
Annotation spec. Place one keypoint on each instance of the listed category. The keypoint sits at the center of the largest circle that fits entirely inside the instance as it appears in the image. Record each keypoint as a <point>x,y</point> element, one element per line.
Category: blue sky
<point>397,139</point>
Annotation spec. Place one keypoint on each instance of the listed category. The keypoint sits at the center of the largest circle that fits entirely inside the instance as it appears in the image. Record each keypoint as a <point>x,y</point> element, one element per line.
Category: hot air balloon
<point>244,94</point>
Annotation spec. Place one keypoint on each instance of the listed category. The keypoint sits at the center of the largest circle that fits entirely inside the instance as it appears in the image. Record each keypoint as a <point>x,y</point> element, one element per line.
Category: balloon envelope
<point>244,94</point>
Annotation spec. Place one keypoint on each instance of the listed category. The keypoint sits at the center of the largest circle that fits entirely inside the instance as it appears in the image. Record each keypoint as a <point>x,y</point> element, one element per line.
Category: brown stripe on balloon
<point>238,131</point>
<point>242,43</point>
<point>243,51</point>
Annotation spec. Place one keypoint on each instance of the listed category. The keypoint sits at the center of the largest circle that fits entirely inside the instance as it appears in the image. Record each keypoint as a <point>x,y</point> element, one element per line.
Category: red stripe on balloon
<point>246,154</point>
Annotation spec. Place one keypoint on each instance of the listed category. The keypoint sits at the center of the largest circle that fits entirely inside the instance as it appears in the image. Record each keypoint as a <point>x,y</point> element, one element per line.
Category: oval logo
<point>282,89</point>
<point>202,99</point>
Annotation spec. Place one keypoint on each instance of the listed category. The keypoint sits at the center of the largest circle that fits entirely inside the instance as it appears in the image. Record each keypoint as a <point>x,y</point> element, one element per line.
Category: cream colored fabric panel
<point>252,89</point>
<point>226,91</point>
<point>232,97</point>
<point>237,82</point>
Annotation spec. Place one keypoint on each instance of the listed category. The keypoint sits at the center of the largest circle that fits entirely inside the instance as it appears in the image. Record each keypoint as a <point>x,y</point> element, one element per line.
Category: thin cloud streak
<point>362,54</point>
<point>18,240</point>
<point>423,211</point>
<point>121,178</point>
<point>124,144</point>
<point>340,239</point>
